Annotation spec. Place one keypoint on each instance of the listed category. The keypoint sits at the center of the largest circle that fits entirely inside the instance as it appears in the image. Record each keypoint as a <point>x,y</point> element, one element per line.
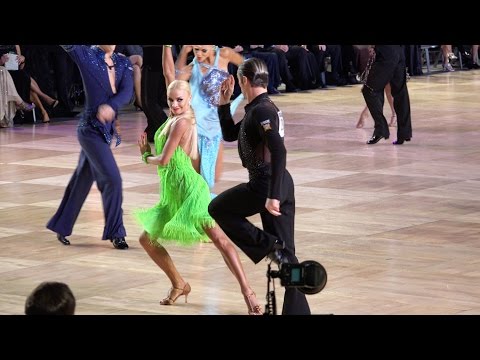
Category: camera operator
<point>270,190</point>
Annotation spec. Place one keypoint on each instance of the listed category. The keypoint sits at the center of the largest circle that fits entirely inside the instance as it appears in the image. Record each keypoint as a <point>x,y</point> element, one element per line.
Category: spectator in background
<point>135,54</point>
<point>10,101</point>
<point>51,298</point>
<point>153,90</point>
<point>53,70</point>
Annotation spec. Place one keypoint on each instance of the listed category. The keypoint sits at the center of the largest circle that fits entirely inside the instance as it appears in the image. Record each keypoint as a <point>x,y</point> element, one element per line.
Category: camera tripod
<point>271,306</point>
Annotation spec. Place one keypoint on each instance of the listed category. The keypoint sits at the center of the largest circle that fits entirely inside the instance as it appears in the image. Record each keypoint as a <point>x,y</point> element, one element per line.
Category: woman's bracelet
<point>146,155</point>
<point>169,46</point>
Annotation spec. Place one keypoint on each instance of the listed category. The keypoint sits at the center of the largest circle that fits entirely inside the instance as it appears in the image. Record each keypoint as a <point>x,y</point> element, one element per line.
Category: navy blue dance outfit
<point>96,162</point>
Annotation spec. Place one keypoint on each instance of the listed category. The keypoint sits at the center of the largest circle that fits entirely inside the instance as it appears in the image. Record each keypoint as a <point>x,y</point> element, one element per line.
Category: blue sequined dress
<point>205,99</point>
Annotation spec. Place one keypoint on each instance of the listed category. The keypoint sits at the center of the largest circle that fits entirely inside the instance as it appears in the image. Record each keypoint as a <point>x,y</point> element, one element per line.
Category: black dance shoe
<point>278,257</point>
<point>376,138</point>
<point>278,244</point>
<point>277,254</point>
<point>63,239</point>
<point>292,89</point>
<point>119,243</point>
<point>400,141</point>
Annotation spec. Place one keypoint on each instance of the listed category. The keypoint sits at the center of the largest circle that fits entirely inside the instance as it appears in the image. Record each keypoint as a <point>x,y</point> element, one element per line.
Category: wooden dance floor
<point>396,227</point>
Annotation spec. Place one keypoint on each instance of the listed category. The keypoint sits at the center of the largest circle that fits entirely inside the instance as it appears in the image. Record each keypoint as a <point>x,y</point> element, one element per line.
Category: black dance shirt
<point>260,136</point>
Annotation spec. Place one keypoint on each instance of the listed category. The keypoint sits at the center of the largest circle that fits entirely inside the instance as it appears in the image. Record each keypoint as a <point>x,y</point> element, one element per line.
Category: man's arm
<point>268,124</point>
<point>229,128</point>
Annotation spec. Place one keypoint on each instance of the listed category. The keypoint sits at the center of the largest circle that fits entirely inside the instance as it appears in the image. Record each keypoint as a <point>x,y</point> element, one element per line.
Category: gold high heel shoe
<point>253,309</point>
<point>174,293</point>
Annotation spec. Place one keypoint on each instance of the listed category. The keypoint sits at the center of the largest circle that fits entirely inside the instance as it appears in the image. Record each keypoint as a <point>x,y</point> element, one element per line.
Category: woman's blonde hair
<point>188,114</point>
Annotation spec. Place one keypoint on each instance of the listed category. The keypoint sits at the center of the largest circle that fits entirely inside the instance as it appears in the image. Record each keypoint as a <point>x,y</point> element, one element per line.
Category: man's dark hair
<point>256,71</point>
<point>50,298</point>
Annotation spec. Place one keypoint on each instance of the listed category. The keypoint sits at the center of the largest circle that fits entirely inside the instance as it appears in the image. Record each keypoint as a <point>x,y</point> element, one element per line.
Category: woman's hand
<point>226,90</point>
<point>21,61</point>
<point>143,144</point>
<point>187,48</point>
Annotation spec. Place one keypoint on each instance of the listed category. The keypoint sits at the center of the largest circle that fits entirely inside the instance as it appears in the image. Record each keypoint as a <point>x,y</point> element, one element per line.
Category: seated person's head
<point>50,298</point>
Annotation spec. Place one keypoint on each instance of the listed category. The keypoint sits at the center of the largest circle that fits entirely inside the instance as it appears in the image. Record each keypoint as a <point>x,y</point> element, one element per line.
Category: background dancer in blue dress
<point>108,82</point>
<point>206,73</point>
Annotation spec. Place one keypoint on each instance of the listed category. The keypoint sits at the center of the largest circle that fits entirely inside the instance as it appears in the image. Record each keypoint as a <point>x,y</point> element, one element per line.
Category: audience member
<point>51,298</point>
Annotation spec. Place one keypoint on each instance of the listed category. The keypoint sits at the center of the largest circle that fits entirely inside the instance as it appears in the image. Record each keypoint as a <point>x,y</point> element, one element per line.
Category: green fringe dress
<point>182,212</point>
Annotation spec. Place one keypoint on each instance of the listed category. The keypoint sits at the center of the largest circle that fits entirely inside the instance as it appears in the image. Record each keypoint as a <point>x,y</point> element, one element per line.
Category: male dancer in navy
<point>108,83</point>
<point>388,67</point>
<point>270,190</point>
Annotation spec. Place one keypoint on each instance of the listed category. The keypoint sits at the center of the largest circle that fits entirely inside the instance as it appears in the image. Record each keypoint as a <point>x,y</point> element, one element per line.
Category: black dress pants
<point>389,67</point>
<point>154,91</point>
<point>232,207</point>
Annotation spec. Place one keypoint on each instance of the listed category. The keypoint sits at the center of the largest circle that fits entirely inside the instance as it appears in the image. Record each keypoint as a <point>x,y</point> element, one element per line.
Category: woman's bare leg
<point>363,116</point>
<point>219,163</point>
<point>388,92</point>
<point>137,62</point>
<point>231,258</point>
<point>447,55</point>
<point>36,89</point>
<point>162,258</point>
<point>34,97</point>
<point>475,54</point>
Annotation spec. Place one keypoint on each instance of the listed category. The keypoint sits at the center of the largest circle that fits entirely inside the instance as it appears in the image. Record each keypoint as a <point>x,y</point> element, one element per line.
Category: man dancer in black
<point>270,190</point>
<point>153,89</point>
<point>388,67</point>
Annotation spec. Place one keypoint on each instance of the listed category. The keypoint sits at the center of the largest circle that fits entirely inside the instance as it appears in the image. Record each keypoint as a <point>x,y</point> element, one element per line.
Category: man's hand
<point>226,90</point>
<point>273,206</point>
<point>105,113</point>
